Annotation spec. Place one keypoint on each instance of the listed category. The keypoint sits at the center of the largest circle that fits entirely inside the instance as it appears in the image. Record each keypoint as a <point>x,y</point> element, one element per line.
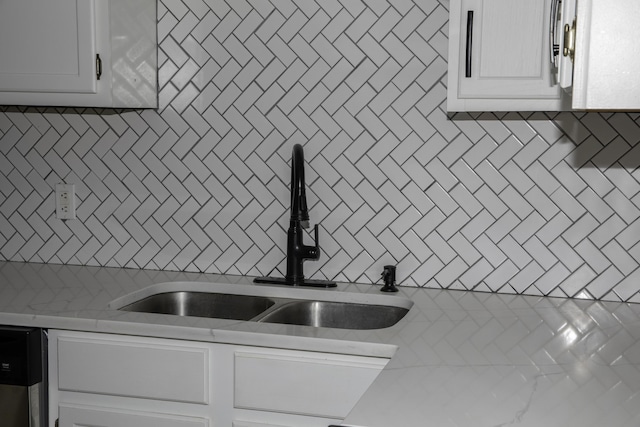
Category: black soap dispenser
<point>389,277</point>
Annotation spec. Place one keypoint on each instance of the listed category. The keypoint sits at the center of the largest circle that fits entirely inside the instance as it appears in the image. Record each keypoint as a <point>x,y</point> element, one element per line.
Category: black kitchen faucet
<point>297,251</point>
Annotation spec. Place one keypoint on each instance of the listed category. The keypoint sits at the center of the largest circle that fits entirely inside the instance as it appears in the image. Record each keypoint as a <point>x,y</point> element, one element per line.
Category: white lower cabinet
<point>80,416</point>
<point>120,381</point>
<point>304,383</point>
<point>250,424</point>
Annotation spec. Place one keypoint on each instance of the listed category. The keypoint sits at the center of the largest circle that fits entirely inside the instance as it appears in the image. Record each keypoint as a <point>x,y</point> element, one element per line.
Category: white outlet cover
<point>65,201</point>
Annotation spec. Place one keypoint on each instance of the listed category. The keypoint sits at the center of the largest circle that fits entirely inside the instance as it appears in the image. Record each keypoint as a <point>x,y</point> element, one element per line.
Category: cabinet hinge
<point>98,66</point>
<point>569,40</point>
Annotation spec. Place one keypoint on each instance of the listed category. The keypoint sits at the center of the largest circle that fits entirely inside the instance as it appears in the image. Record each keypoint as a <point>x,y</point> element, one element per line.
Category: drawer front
<point>139,367</point>
<point>252,424</point>
<point>80,416</point>
<point>302,383</point>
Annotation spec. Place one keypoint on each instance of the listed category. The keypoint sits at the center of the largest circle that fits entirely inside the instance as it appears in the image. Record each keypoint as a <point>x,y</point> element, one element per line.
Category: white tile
<point>507,149</point>
<point>429,222</point>
<point>568,204</point>
<point>476,274</point>
<point>371,243</point>
<point>622,206</point>
<point>518,204</point>
<point>452,271</point>
<point>577,281</point>
<point>465,249</point>
<point>420,249</point>
<point>522,130</point>
<point>553,277</point>
<point>599,286</point>
<point>515,252</point>
<point>440,248</point>
<point>620,258</point>
<point>324,121</point>
<point>490,251</point>
<point>347,242</point>
<point>541,253</point>
<point>491,176</point>
<point>526,277</point>
<point>478,225</point>
<point>608,230</point>
<point>502,226</point>
<point>453,224</point>
<point>596,259</point>
<point>501,275</point>
<point>518,179</point>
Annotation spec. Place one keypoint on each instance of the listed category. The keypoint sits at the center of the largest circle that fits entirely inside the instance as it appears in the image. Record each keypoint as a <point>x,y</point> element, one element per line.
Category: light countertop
<point>459,358</point>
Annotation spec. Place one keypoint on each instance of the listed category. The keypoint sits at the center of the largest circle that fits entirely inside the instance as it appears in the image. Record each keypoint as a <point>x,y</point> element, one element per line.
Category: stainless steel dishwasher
<point>23,377</point>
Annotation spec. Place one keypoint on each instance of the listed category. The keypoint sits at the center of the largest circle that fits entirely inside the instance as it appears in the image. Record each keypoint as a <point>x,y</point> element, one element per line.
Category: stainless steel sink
<point>320,309</point>
<point>340,315</point>
<point>203,304</point>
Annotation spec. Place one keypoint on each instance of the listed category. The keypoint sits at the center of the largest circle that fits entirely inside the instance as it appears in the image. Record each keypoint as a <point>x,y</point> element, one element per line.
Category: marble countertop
<point>460,359</point>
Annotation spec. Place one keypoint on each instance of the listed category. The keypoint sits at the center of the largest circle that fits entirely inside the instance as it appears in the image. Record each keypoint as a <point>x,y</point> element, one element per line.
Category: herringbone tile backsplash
<point>528,203</point>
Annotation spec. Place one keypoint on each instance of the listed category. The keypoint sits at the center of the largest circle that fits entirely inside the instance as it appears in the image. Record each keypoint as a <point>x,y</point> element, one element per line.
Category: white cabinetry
<point>499,57</point>
<point>303,383</point>
<point>120,381</point>
<point>79,416</point>
<point>48,46</point>
<point>115,381</point>
<point>98,53</point>
<point>606,74</point>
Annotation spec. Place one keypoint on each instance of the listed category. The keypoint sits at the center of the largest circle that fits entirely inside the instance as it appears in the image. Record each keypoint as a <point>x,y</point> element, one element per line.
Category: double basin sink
<point>265,304</point>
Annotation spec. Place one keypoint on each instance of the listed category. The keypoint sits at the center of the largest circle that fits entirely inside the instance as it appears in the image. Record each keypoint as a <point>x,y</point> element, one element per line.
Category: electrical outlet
<point>65,201</point>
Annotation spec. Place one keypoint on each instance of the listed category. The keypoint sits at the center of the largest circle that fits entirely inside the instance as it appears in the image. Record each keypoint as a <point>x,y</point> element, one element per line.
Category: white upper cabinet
<point>87,53</point>
<point>544,55</point>
<point>499,57</point>
<point>55,49</point>
<point>606,73</point>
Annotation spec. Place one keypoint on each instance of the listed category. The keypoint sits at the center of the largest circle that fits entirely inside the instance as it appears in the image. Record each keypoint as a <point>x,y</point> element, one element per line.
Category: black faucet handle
<point>313,252</point>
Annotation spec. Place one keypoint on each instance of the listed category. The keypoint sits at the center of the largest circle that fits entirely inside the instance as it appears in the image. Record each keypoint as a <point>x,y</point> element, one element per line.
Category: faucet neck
<point>299,210</point>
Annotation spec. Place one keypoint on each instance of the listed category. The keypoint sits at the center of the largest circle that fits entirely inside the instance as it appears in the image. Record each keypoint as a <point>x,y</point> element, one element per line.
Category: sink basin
<point>264,304</point>
<point>340,315</point>
<point>203,304</point>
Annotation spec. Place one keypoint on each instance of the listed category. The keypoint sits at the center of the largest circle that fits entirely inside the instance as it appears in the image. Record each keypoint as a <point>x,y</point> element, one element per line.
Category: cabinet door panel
<point>510,38</point>
<point>510,67</point>
<point>297,383</point>
<point>252,424</point>
<point>509,50</point>
<point>79,416</point>
<point>47,46</point>
<point>175,372</point>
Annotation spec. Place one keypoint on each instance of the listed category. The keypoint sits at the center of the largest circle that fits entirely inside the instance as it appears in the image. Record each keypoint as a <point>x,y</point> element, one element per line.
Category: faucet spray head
<point>299,210</point>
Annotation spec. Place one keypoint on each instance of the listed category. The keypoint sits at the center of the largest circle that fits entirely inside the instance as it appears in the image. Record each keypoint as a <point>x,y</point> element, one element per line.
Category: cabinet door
<point>47,46</point>
<point>303,383</point>
<point>82,416</point>
<point>607,55</point>
<point>508,66</point>
<point>48,53</point>
<point>134,367</point>
<point>251,424</point>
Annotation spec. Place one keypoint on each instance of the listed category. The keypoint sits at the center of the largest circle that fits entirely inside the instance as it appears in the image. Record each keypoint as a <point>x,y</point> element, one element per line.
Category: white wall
<point>542,204</point>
